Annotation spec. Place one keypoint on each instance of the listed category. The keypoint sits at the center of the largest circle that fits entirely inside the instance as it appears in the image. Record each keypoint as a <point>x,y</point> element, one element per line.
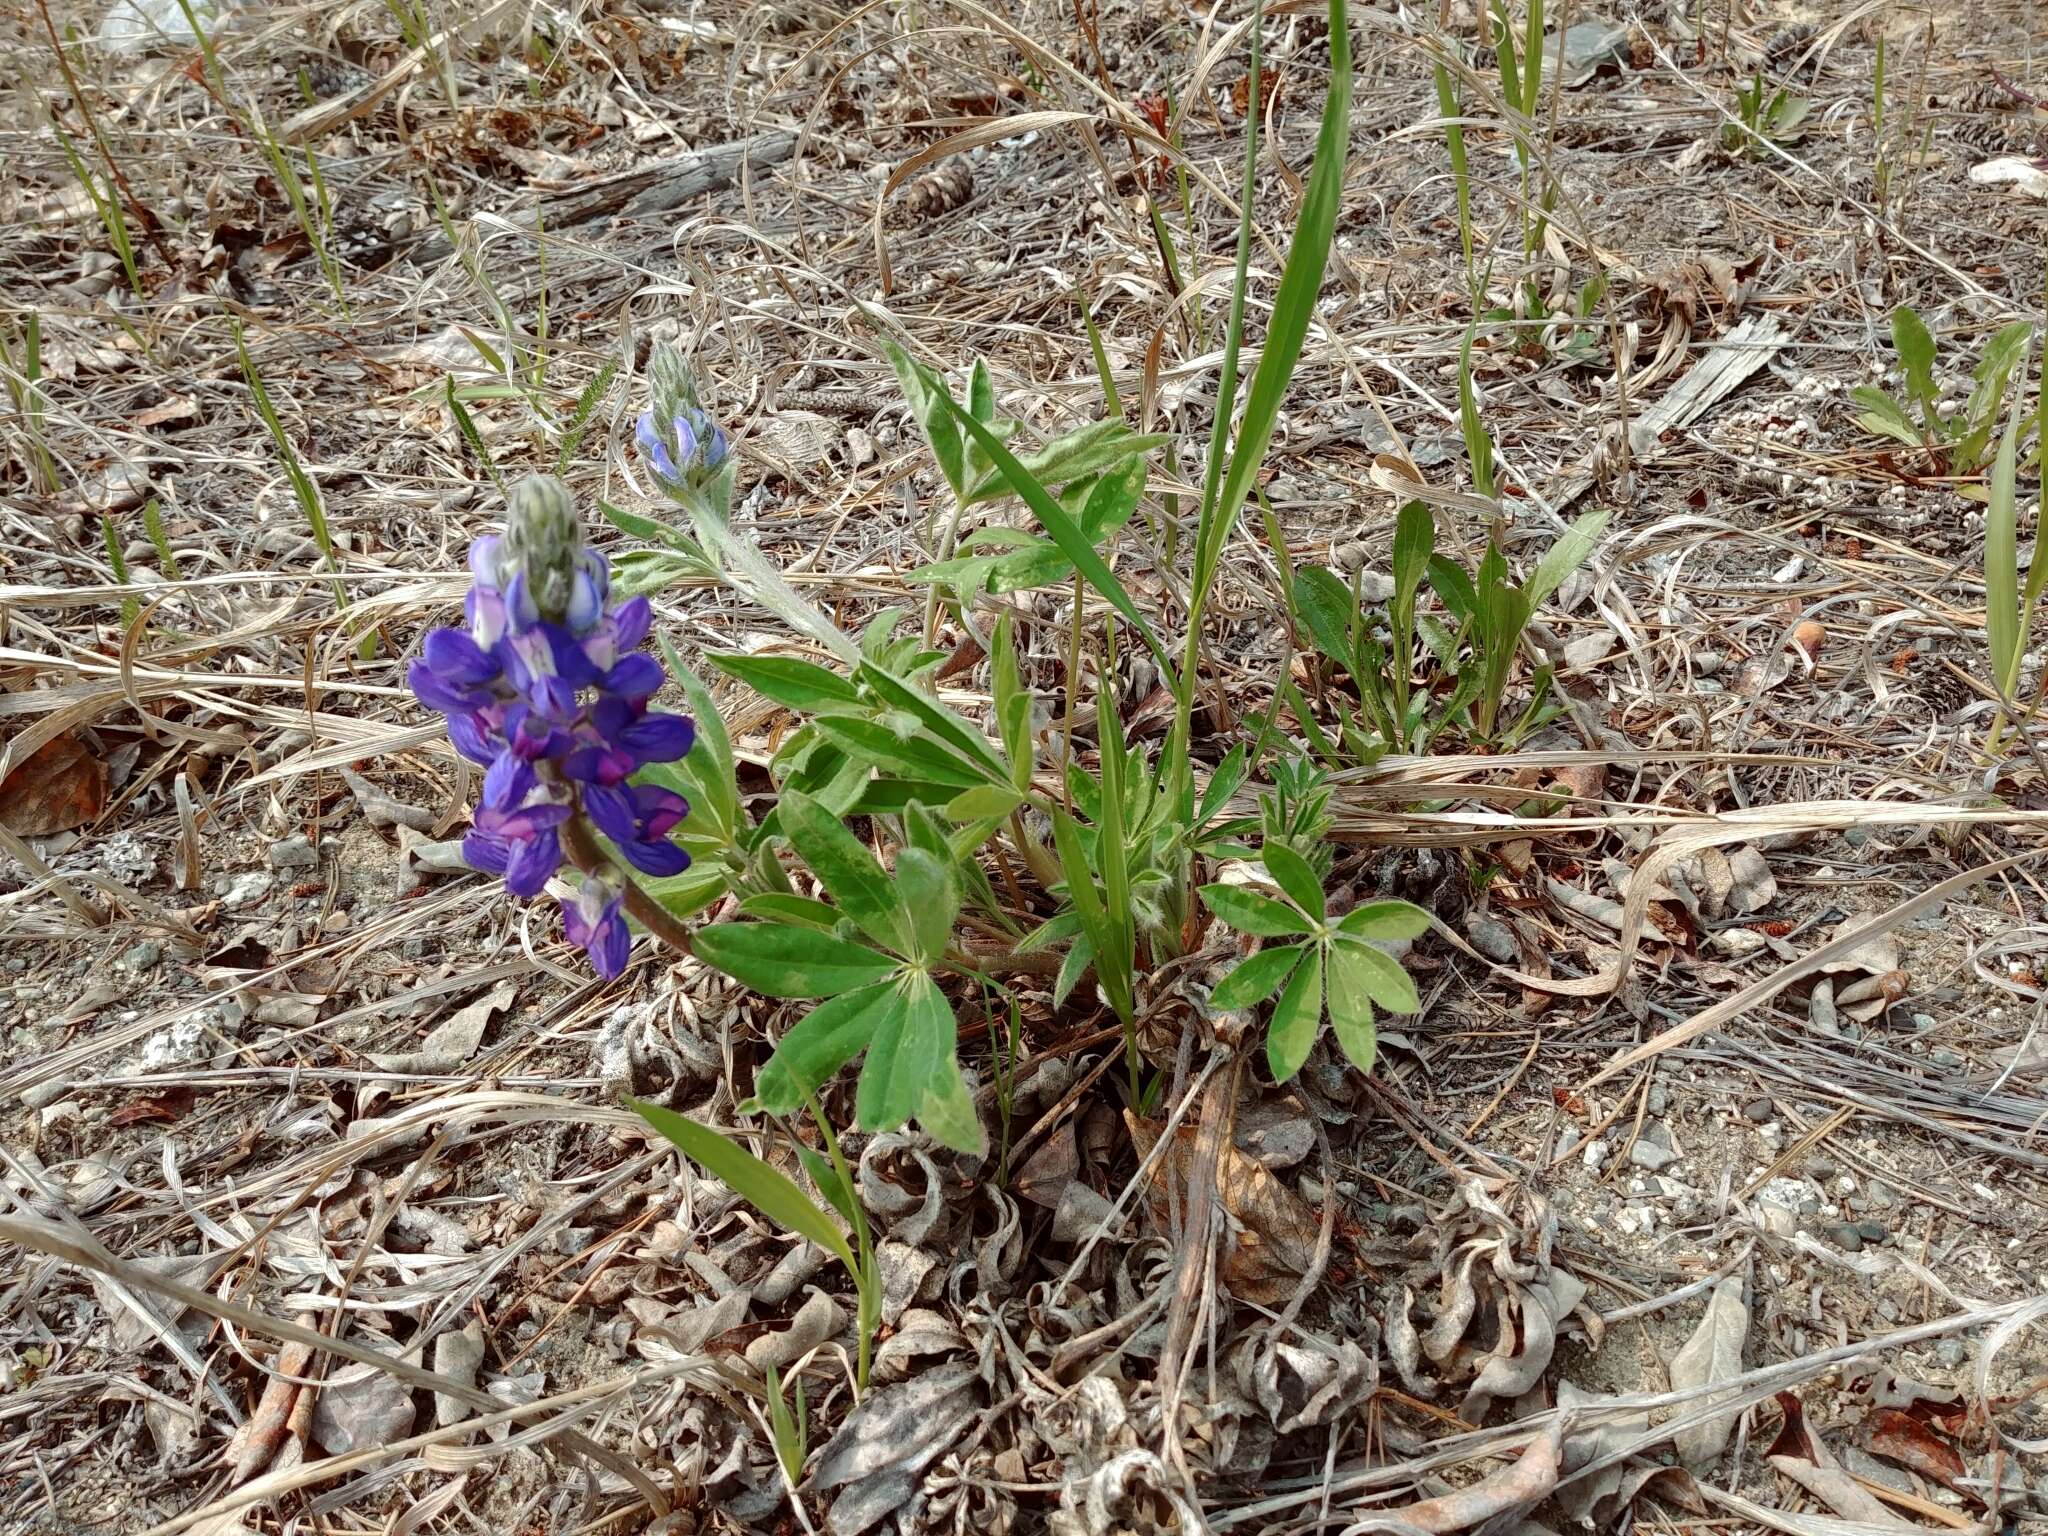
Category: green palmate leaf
<point>1350,1003</point>
<point>1291,872</point>
<point>876,746</point>
<point>1249,912</point>
<point>1915,346</point>
<point>1301,280</point>
<point>851,875</point>
<point>793,683</point>
<point>1381,974</point>
<point>706,776</point>
<point>689,893</point>
<point>931,1044</point>
<point>930,896</point>
<point>819,1044</point>
<point>1327,606</point>
<point>1385,920</point>
<point>770,1191</point>
<point>1254,980</point>
<point>782,961</point>
<point>1296,1017</point>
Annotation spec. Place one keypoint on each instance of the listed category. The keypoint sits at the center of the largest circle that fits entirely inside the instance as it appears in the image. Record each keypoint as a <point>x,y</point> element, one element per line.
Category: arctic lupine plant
<point>548,689</point>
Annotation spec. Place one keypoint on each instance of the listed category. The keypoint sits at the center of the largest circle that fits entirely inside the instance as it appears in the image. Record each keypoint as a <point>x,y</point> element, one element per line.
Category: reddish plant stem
<point>642,908</point>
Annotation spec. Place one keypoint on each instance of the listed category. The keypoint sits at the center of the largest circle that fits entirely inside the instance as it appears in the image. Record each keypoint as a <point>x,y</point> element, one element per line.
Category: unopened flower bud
<point>543,544</point>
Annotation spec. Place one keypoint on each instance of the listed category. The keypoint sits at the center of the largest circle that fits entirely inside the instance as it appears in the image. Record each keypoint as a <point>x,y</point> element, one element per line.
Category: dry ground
<point>260,1038</point>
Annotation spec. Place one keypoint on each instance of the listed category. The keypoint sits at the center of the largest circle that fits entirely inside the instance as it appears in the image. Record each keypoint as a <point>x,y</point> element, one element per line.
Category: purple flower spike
<point>546,687</point>
<point>596,921</point>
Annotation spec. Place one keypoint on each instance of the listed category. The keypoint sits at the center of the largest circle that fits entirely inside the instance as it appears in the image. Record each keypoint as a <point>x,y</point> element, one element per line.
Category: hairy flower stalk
<point>547,688</point>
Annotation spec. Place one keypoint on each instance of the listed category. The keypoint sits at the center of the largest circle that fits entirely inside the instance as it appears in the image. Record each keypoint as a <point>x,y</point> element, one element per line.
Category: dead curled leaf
<point>62,785</point>
<point>1526,1481</point>
<point>1713,1353</point>
<point>1270,1232</point>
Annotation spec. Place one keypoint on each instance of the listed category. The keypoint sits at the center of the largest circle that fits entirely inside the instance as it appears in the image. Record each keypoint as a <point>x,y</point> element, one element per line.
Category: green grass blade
<point>1293,308</point>
<point>2003,628</point>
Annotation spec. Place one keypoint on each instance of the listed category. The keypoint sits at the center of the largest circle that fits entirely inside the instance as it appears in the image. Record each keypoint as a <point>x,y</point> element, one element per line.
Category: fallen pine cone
<point>938,191</point>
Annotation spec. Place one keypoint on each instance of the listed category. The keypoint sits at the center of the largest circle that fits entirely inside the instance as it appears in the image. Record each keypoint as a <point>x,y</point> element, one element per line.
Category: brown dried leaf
<point>1269,1233</point>
<point>1798,1453</point>
<point>1713,1353</point>
<point>1902,1438</point>
<point>62,785</point>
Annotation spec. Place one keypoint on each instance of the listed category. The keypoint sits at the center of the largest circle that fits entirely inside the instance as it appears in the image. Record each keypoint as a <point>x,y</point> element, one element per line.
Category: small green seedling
<point>1764,118</point>
<point>1961,444</point>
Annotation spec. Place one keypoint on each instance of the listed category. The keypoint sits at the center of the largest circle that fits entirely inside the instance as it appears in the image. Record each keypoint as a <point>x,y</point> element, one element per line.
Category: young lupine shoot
<point>1323,967</point>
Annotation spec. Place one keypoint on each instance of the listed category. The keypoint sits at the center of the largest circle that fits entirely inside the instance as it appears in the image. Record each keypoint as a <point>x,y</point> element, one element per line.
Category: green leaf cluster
<point>1960,445</point>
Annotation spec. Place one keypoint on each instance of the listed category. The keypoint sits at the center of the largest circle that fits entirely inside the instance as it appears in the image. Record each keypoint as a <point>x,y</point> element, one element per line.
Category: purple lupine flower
<point>596,921</point>
<point>683,447</point>
<point>638,818</point>
<point>547,688</point>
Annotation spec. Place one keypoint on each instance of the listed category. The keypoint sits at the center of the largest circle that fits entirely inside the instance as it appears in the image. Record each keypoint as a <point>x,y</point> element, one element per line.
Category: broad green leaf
<point>892,1076</point>
<point>876,746</point>
<point>932,406</point>
<point>1291,873</point>
<point>1063,925</point>
<point>1453,588</point>
<point>1386,983</point>
<point>770,1191</point>
<point>930,897</point>
<point>1013,706</point>
<point>981,392</point>
<point>1350,1004</point>
<point>1254,980</point>
<point>783,907</point>
<point>1073,966</point>
<point>983,800</point>
<point>1065,532</point>
<point>790,962</point>
<point>1249,912</point>
<point>1915,347</point>
<point>810,1055</point>
<point>1414,543</point>
<point>1328,608</point>
<point>852,876</point>
<point>689,893</point>
<point>931,1046</point>
<point>1112,500</point>
<point>1567,554</point>
<point>1883,416</point>
<point>793,683</point>
<point>1226,781</point>
<point>1296,1017</point>
<point>1386,920</point>
<point>946,727</point>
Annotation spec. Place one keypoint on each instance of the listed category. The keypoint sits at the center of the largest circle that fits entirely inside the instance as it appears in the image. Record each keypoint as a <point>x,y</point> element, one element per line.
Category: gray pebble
<point>1952,1353</point>
<point>1873,1231</point>
<point>1844,1236</point>
<point>1922,1023</point>
<point>145,956</point>
<point>1760,1111</point>
<point>1657,1101</point>
<point>294,852</point>
<point>1821,1168</point>
<point>1944,1057</point>
<point>1645,1153</point>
